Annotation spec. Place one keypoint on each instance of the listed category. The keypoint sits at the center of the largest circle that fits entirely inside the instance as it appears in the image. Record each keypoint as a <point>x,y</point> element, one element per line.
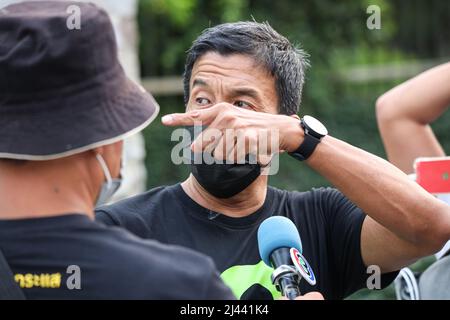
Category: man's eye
<point>202,101</point>
<point>242,104</point>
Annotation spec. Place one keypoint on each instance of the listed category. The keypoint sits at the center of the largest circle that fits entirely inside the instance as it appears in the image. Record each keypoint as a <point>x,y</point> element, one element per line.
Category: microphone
<point>280,247</point>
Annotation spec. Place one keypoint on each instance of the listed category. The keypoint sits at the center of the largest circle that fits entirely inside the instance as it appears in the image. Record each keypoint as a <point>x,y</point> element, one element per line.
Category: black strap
<point>307,147</point>
<point>9,289</point>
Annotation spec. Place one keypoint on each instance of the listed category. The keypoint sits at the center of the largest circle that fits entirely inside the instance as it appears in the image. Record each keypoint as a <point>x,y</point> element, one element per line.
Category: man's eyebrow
<point>234,92</point>
<point>249,92</point>
<point>199,82</point>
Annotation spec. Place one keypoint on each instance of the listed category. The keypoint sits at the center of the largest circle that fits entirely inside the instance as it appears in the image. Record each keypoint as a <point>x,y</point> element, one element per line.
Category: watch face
<point>315,125</point>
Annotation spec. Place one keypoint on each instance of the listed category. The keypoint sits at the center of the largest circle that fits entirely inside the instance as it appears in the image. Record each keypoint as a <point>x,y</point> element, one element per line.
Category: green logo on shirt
<point>240,278</point>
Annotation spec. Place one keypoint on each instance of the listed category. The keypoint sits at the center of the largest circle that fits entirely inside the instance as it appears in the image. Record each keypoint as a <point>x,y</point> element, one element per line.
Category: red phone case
<point>433,174</point>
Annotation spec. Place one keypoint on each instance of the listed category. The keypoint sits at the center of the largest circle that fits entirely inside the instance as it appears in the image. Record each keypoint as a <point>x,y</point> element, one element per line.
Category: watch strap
<point>307,147</point>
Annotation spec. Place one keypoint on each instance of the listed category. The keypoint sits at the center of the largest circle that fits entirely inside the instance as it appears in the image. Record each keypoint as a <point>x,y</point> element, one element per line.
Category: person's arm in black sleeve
<point>185,274</point>
<point>344,225</point>
<point>122,216</point>
<point>104,217</point>
<point>215,288</point>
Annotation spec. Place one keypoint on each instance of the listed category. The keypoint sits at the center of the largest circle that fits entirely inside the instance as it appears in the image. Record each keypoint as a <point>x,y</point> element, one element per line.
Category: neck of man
<point>43,190</point>
<point>240,205</point>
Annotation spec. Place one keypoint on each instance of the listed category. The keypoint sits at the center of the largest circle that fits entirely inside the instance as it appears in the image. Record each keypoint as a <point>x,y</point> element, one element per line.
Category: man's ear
<point>295,116</point>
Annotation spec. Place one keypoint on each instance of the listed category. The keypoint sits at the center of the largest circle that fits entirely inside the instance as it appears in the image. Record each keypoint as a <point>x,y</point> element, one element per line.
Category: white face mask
<point>110,186</point>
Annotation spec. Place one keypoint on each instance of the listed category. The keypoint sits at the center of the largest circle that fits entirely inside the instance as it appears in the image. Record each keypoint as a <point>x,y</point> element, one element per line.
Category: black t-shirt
<point>51,256</point>
<point>328,223</point>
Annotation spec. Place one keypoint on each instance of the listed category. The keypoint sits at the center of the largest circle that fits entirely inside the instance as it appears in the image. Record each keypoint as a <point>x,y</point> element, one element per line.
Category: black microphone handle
<point>289,288</point>
<point>288,283</point>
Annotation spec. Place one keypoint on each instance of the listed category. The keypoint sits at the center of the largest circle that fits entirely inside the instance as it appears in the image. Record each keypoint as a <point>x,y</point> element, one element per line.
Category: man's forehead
<point>228,61</point>
<point>237,68</point>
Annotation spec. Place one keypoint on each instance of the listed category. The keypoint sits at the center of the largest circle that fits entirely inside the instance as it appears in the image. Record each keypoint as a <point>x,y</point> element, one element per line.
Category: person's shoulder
<point>330,199</point>
<point>135,207</point>
<point>324,200</point>
<point>152,270</point>
<point>143,199</point>
<point>314,194</point>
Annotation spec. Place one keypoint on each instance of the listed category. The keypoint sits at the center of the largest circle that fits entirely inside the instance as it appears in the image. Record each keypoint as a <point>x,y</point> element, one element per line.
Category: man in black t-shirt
<point>243,81</point>
<point>329,226</point>
<point>64,112</point>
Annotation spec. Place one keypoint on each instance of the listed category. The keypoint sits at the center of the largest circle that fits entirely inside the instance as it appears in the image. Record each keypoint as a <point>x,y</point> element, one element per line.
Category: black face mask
<point>224,180</point>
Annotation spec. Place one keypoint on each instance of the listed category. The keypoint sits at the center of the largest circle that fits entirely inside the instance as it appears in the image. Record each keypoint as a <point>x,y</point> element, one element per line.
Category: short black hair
<point>284,61</point>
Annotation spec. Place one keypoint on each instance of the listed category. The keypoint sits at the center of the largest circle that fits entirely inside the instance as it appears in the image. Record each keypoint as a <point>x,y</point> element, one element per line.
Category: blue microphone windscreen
<point>277,232</point>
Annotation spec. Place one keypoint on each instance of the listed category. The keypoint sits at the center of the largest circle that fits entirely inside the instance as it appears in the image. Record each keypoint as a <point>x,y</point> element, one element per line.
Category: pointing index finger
<point>206,116</point>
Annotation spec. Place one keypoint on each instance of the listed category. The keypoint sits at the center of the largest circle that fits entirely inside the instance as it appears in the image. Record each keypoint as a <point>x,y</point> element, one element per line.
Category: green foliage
<point>334,33</point>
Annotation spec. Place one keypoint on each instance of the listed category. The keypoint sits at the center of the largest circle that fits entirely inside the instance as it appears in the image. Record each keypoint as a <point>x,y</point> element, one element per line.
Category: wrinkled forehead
<point>232,73</point>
